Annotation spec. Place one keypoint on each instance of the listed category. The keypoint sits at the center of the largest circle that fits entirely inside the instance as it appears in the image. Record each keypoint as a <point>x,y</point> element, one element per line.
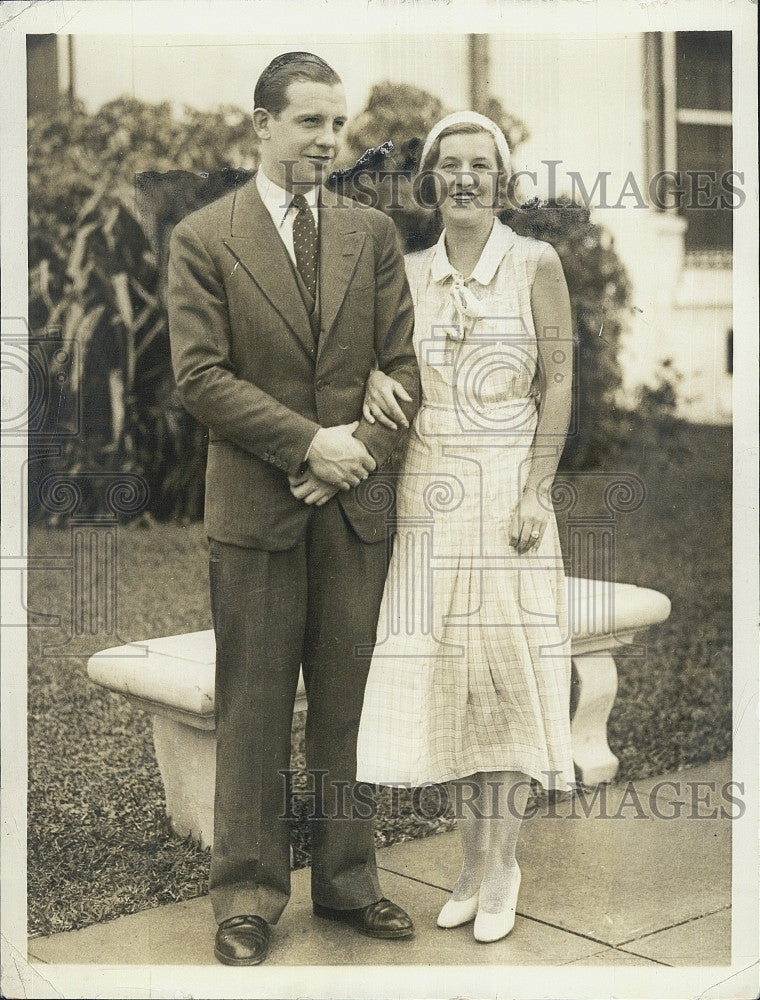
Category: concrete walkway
<point>622,886</point>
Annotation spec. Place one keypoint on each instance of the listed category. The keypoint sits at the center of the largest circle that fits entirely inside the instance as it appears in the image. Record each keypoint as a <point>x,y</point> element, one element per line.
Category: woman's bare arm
<point>550,303</point>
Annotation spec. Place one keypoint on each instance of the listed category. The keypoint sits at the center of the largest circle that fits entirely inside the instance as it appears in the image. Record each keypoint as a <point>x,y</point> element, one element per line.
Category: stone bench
<point>173,680</point>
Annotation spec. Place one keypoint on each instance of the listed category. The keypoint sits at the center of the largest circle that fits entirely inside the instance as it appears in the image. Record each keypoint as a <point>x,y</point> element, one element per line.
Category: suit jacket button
<point>321,383</point>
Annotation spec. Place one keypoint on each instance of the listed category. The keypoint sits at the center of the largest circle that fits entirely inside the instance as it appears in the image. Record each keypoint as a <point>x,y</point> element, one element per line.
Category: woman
<point>470,678</point>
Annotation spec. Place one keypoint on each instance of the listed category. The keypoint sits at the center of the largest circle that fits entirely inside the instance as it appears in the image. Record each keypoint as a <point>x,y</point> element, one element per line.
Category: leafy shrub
<point>600,301</point>
<point>94,277</point>
<point>404,114</point>
<point>654,422</point>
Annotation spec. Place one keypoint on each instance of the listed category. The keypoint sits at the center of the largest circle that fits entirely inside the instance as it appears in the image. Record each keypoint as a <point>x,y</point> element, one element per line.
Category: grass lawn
<point>98,841</point>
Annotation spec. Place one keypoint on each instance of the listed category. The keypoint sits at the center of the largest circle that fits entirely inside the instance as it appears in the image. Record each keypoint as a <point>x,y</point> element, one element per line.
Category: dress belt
<point>463,405</point>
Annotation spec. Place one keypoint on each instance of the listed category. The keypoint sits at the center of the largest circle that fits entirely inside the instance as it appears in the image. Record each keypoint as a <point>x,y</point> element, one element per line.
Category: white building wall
<point>582,98</point>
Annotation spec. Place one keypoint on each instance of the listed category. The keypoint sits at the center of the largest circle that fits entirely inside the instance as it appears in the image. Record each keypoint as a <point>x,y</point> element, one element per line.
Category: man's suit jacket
<point>248,366</point>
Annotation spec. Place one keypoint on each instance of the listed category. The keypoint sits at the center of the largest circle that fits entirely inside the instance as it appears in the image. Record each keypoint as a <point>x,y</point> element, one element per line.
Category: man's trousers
<point>315,604</point>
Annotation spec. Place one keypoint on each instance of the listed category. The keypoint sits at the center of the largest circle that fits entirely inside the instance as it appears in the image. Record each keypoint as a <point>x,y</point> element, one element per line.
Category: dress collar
<point>498,243</point>
<point>277,200</point>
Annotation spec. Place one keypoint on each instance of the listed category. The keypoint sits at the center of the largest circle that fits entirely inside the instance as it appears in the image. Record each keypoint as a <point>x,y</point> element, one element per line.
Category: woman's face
<point>470,170</point>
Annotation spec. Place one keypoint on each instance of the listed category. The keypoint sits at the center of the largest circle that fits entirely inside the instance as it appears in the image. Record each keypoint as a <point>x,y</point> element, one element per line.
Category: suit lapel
<point>340,243</point>
<point>257,245</point>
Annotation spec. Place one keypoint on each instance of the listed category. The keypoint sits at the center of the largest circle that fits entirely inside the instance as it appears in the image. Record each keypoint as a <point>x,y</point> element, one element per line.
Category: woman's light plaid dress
<point>471,670</point>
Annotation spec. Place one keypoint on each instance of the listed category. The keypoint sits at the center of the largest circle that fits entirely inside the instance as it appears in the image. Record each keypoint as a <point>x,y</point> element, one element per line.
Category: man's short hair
<point>271,88</point>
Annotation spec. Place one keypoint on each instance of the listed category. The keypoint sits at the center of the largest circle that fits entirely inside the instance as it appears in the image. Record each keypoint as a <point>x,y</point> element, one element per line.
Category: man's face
<point>299,146</point>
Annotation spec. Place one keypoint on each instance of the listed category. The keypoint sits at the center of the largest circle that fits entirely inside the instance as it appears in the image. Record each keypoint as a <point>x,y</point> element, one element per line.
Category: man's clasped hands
<point>339,461</point>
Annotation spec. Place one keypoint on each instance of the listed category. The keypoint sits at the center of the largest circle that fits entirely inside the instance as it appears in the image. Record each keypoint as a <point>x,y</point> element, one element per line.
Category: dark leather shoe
<point>382,919</point>
<point>242,940</point>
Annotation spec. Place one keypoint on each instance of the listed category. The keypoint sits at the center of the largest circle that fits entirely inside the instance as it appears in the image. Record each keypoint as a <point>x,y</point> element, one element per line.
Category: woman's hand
<point>305,486</point>
<point>380,400</point>
<point>529,521</point>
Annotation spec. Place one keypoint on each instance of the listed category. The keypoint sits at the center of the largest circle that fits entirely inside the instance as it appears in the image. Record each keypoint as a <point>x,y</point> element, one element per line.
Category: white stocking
<point>507,797</point>
<point>470,807</point>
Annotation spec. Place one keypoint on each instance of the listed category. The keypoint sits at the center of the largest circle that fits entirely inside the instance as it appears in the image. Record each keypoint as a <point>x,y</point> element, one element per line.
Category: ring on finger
<point>535,533</point>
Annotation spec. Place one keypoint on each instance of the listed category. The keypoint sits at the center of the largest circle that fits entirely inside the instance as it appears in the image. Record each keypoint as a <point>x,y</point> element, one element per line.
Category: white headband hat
<point>469,118</point>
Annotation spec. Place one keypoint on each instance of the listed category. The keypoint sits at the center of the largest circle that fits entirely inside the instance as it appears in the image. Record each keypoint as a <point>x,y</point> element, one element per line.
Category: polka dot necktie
<point>305,243</point>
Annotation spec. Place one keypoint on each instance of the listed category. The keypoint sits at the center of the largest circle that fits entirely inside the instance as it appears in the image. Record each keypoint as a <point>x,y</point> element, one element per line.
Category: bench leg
<point>187,762</point>
<point>597,687</point>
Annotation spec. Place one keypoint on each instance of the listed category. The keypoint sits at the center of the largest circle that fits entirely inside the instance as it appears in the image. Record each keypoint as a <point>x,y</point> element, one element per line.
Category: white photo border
<point>564,17</point>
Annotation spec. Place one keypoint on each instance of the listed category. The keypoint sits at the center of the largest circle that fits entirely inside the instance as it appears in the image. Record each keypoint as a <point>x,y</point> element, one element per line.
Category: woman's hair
<point>467,128</point>
<point>272,86</point>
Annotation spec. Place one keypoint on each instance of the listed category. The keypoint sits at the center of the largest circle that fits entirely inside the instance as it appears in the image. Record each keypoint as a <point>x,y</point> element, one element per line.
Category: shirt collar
<point>498,243</point>
<point>277,200</point>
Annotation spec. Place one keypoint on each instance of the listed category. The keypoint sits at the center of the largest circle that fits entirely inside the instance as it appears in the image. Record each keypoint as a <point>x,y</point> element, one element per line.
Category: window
<point>688,129</point>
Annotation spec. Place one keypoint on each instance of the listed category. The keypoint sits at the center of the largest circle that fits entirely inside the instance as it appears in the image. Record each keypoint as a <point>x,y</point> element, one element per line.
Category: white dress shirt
<point>279,203</point>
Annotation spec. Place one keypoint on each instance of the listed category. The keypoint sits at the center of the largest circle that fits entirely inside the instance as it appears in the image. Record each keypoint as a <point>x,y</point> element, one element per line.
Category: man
<point>282,298</point>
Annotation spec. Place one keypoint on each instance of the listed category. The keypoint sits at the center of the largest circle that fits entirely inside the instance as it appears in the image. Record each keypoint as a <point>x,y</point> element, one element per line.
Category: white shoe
<point>458,911</point>
<point>494,926</point>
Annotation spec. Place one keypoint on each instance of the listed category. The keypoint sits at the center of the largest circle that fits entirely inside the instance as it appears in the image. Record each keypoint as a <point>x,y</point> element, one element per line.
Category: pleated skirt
<point>471,669</point>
